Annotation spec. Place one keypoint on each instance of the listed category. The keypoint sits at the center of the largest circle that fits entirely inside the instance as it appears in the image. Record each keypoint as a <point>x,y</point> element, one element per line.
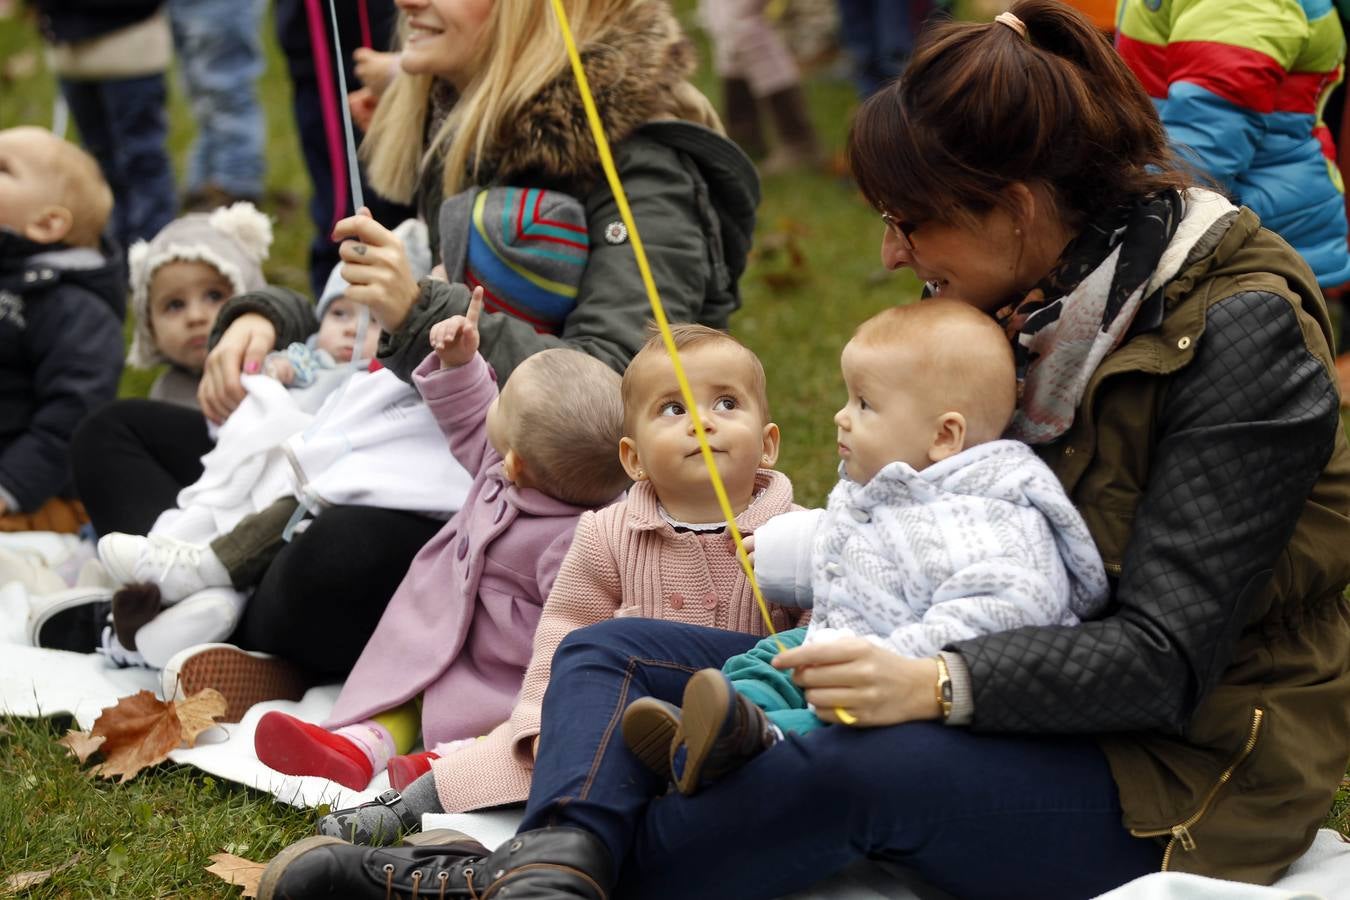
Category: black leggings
<point>321,598</point>
<point>132,457</point>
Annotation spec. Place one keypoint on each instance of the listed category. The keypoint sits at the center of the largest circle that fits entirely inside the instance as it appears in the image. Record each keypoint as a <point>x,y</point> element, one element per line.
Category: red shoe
<point>295,747</point>
<point>404,770</point>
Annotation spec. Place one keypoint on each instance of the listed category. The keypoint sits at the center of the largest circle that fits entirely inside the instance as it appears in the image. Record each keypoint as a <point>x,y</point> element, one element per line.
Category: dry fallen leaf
<point>237,870</point>
<point>198,713</point>
<point>22,881</point>
<point>81,744</point>
<point>140,731</point>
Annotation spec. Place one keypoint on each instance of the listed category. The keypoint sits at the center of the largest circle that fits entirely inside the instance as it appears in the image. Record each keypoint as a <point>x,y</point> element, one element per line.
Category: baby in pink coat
<point>662,552</point>
<point>455,640</point>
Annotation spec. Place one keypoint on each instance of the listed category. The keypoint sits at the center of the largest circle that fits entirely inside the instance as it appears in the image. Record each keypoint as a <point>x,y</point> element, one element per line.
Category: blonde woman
<point>486,96</point>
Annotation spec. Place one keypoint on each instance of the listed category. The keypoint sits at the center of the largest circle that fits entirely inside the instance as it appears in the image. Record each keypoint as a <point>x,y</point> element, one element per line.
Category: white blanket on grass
<point>35,682</point>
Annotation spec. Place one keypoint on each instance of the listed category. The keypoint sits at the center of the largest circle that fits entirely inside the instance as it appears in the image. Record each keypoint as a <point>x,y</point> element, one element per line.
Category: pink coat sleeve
<point>459,399</point>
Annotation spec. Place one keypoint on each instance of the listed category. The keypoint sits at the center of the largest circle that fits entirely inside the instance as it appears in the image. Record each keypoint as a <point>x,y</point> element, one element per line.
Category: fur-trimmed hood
<point>638,73</point>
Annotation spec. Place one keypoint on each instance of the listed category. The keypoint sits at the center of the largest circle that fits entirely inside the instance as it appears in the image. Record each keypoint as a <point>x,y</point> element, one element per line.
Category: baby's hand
<point>280,368</point>
<point>455,340</point>
<point>748,542</point>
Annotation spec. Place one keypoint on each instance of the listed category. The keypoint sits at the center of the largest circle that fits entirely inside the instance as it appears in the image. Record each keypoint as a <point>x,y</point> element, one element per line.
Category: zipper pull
<point>1180,833</point>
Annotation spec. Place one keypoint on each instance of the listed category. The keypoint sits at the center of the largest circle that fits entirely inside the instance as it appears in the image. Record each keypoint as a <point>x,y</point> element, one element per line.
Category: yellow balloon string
<point>659,313</point>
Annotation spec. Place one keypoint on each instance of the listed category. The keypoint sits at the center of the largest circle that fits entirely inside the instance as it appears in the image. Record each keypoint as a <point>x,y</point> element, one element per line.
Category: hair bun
<point>246,224</point>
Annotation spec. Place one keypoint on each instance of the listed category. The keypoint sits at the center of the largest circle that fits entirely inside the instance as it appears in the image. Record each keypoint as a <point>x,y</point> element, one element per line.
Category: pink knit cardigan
<point>625,560</point>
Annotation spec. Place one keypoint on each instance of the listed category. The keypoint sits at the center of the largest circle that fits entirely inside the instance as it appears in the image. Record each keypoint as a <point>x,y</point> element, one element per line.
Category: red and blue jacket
<point>1240,86</point>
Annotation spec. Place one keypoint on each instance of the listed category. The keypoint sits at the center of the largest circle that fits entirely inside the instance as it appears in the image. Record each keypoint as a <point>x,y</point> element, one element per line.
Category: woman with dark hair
<point>1175,372</point>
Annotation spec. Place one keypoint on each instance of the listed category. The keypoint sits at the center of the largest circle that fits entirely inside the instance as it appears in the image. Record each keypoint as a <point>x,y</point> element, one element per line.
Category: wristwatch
<point>943,690</point>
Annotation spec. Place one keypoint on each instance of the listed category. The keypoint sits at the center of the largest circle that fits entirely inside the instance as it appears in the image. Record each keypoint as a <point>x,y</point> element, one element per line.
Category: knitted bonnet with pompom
<point>233,239</point>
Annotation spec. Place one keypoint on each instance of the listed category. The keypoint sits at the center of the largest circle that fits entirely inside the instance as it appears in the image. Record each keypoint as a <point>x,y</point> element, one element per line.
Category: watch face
<point>946,692</point>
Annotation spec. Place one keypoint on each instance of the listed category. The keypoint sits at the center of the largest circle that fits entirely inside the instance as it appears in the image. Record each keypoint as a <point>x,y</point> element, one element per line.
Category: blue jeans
<point>976,815</point>
<point>219,45</point>
<point>878,36</point>
<point>123,124</point>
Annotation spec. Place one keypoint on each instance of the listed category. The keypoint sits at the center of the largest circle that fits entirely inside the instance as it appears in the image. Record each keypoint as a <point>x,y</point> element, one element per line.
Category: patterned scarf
<point>1080,312</point>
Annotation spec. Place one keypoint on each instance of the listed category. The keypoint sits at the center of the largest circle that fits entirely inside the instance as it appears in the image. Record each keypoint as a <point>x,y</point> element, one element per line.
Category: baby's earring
<point>765,459</point>
<point>641,474</point>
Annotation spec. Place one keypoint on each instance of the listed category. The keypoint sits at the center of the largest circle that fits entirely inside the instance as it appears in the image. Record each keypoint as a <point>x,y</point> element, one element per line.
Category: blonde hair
<point>687,336</point>
<point>566,422</point>
<point>963,354</point>
<point>523,53</point>
<point>77,184</point>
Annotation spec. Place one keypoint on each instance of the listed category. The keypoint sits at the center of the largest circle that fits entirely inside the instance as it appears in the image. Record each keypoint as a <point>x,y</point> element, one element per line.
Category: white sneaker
<point>177,567</point>
<point>119,656</point>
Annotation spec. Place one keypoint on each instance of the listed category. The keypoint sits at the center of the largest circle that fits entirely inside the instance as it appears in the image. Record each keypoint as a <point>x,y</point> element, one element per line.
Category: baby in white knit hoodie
<point>937,531</point>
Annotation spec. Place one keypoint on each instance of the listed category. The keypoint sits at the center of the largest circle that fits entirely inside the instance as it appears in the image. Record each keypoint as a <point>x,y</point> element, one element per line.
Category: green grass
<point>152,837</point>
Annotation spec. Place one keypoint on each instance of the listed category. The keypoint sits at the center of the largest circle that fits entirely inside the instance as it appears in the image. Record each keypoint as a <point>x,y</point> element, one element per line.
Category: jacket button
<point>677,601</point>
<point>860,515</point>
<point>710,600</point>
<point>833,569</point>
<point>30,277</point>
<point>493,490</point>
<point>48,274</point>
<point>1183,343</point>
<point>463,549</point>
<point>1068,451</point>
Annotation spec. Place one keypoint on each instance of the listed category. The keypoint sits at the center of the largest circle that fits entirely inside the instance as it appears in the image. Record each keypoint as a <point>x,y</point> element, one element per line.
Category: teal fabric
<point>772,690</point>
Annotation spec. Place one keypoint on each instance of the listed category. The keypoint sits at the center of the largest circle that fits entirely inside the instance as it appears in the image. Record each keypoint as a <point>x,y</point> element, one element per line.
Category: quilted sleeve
<point>1244,432</point>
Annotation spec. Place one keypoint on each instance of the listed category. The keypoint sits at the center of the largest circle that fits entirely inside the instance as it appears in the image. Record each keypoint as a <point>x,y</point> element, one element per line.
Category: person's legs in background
<point>305,34</point>
<point>123,124</point>
<point>759,75</point>
<point>219,46</point>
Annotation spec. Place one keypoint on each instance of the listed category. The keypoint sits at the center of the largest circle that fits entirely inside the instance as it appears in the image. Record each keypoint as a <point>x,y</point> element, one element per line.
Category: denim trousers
<point>219,45</point>
<point>123,124</point>
<point>974,814</point>
<point>878,36</point>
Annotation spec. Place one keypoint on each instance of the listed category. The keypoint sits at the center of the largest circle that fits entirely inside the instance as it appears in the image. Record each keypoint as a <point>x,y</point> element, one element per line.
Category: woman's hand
<point>455,340</point>
<point>376,267</point>
<point>872,684</point>
<point>241,348</point>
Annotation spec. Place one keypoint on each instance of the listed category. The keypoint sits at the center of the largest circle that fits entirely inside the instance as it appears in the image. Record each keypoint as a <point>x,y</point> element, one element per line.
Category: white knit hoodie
<point>980,542</point>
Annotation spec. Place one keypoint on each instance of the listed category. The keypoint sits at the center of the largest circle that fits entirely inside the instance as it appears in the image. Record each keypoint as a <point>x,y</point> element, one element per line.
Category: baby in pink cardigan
<point>662,552</point>
<point>453,644</point>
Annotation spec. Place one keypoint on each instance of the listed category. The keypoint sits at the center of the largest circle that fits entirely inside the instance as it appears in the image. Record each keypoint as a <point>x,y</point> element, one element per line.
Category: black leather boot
<point>552,863</point>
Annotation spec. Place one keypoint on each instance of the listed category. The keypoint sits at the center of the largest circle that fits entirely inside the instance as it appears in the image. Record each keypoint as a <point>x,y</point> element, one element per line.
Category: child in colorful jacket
<point>1240,86</point>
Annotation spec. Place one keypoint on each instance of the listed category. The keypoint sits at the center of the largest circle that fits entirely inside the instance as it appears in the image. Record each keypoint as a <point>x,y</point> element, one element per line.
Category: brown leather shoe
<point>720,731</point>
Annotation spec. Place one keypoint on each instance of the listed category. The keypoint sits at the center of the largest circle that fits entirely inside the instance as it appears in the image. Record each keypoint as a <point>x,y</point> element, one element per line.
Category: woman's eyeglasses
<point>901,229</point>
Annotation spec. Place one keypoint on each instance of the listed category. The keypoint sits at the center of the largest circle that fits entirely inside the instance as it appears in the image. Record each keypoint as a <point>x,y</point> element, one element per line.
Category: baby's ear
<point>771,443</point>
<point>514,468</point>
<point>950,437</point>
<point>628,458</point>
<point>50,225</point>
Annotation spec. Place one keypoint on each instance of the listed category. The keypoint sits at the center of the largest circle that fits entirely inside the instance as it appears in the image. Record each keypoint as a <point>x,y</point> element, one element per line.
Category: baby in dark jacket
<point>61,306</point>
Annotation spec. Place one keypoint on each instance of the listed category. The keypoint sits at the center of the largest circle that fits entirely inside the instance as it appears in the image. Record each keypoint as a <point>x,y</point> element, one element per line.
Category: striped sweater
<point>625,560</point>
<point>1240,86</point>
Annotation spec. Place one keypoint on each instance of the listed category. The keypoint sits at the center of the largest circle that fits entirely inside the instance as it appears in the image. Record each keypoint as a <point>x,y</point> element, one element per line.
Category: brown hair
<point>566,422</point>
<point>688,335</point>
<point>961,354</point>
<point>981,107</point>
